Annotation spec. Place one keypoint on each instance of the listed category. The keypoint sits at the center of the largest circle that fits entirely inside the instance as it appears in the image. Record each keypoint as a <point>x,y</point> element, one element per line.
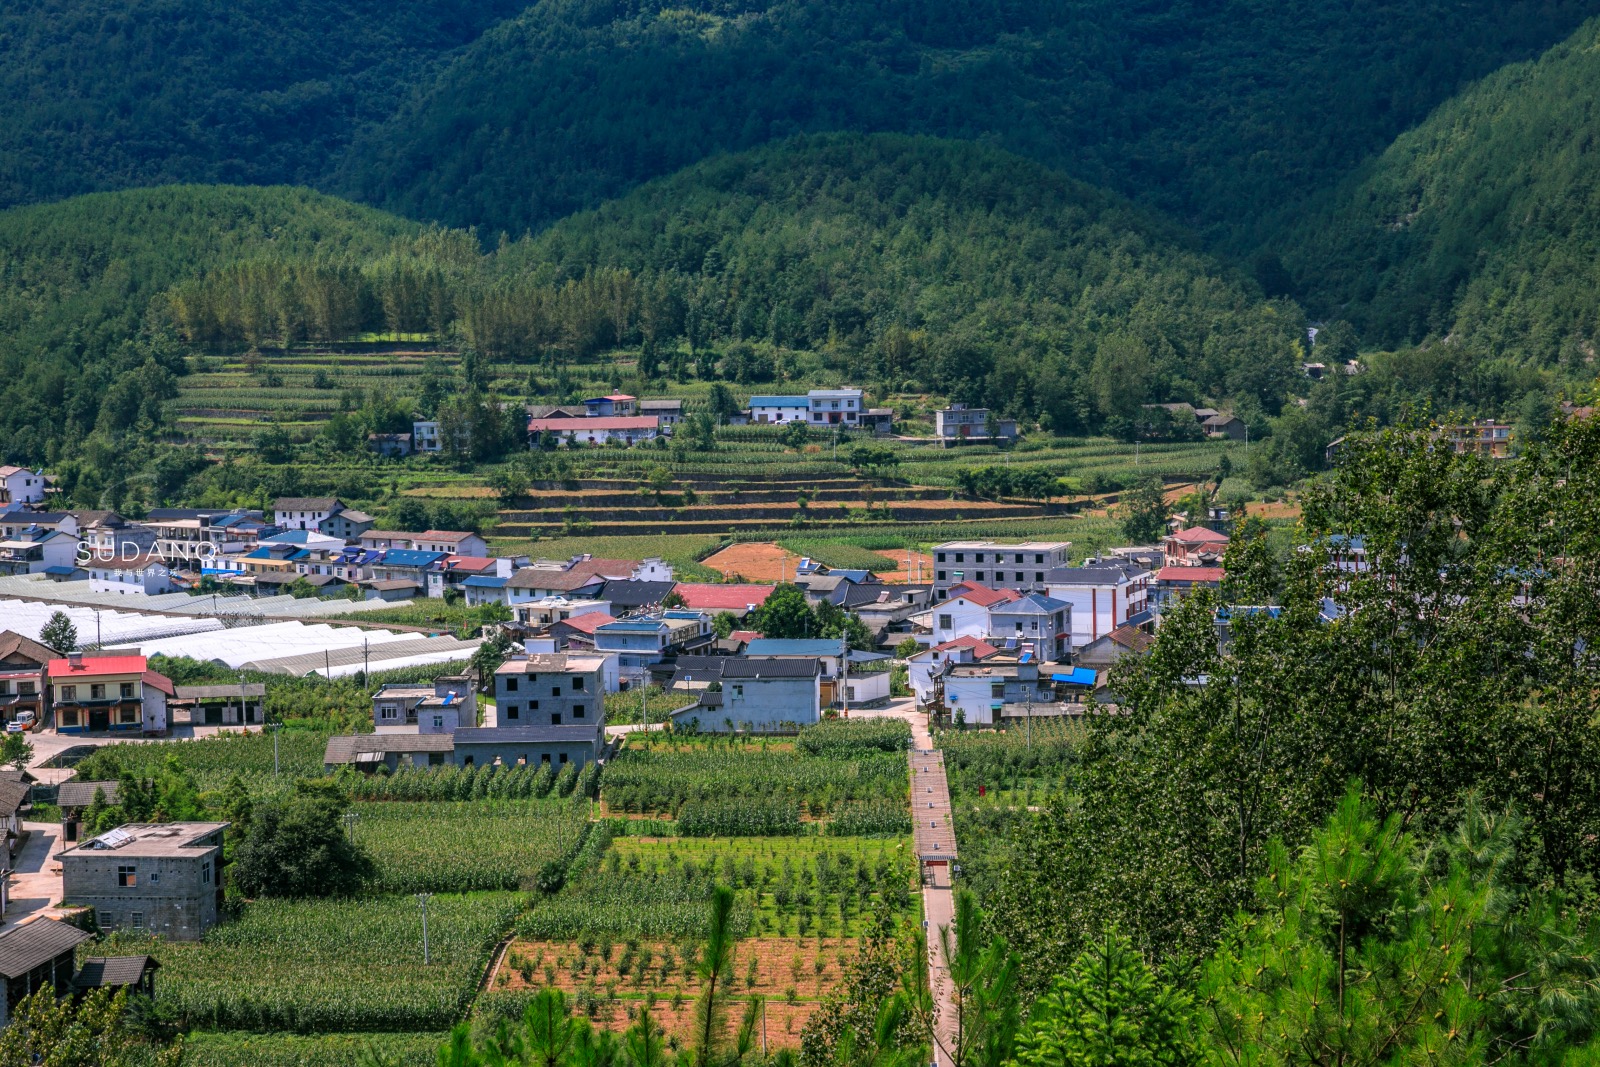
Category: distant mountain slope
<point>966,269</point>
<point>77,278</point>
<point>1215,113</point>
<point>1483,222</point>
<point>101,94</point>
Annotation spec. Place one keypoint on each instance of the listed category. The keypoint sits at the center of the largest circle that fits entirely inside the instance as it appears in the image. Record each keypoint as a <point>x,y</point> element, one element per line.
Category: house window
<point>127,875</point>
<point>1038,557</point>
<point>555,718</point>
<point>205,872</point>
<point>511,711</point>
<point>958,558</point>
<point>1038,576</point>
<point>129,716</point>
<point>438,722</point>
<point>390,711</point>
<point>511,685</point>
<point>25,689</point>
<point>980,576</point>
<point>997,691</point>
<point>941,576</point>
<point>544,758</point>
<point>578,711</point>
<point>68,718</point>
<point>106,919</point>
<point>97,691</point>
<point>944,622</point>
<point>563,757</point>
<point>555,690</point>
<point>533,705</point>
<point>577,685</point>
<point>737,691</point>
<point>5,687</point>
<point>1019,625</point>
<point>938,557</point>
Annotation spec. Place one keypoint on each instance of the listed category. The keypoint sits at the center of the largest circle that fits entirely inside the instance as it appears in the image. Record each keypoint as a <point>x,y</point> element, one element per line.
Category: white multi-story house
<point>836,407</point>
<point>451,543</point>
<point>130,575</point>
<point>425,437</point>
<point>19,485</point>
<point>304,512</point>
<point>1103,594</point>
<point>1021,565</point>
<point>965,612</point>
<point>958,423</point>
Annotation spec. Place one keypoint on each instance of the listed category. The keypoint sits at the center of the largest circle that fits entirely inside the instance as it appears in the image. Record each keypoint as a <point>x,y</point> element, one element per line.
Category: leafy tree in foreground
<point>1144,512</point>
<point>1109,1008</point>
<point>1365,950</point>
<point>93,1032</point>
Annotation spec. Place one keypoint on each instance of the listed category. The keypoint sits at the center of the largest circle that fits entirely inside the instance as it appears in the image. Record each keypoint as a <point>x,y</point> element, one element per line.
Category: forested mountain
<point>100,94</point>
<point>1483,223</point>
<point>78,350</point>
<point>1214,113</point>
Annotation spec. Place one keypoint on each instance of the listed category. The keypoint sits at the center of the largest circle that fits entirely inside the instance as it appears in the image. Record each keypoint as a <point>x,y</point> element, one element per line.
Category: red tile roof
<point>62,668</point>
<point>982,595</point>
<point>619,422</point>
<point>745,635</point>
<point>705,596</point>
<point>1197,535</point>
<point>469,563</point>
<point>1190,574</point>
<point>588,622</point>
<point>158,681</point>
<point>981,649</point>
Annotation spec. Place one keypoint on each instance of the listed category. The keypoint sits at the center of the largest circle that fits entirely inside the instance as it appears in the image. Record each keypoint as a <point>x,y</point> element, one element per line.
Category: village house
<point>393,445</point>
<point>391,751</point>
<point>542,614</point>
<point>108,693</point>
<point>977,694</point>
<point>618,405</point>
<point>670,412</point>
<point>641,641</point>
<point>440,707</point>
<point>424,570</point>
<point>1104,652</point>
<point>925,669</point>
<point>1173,583</point>
<point>1033,623</point>
<point>36,955</point>
<point>347,524</point>
<point>39,551</point>
<point>1195,547</point>
<point>24,676</point>
<point>304,512</point>
<point>512,746</point>
<point>577,631</point>
<point>425,436</point>
<point>1486,437</point>
<point>629,430</point>
<point>754,694</point>
<point>628,596</point>
<point>711,597</point>
<point>1021,565</point>
<point>835,407</point>
<point>560,689</point>
<point>1229,426</point>
<point>107,535</point>
<point>148,575</point>
<point>383,540</point>
<point>580,577</point>
<point>1103,594</point>
<point>74,798</point>
<point>481,589</point>
<point>459,570</point>
<point>451,543</point>
<point>779,409</point>
<point>16,520</point>
<point>959,424</point>
<point>163,879</point>
<point>19,485</point>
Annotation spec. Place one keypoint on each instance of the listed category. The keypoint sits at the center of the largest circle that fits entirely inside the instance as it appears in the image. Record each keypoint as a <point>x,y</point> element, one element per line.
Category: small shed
<point>73,798</point>
<point>220,705</point>
<point>136,974</point>
<point>35,956</point>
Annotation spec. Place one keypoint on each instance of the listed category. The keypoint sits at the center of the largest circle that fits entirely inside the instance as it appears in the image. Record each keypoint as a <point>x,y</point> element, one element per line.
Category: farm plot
<point>1016,766</point>
<point>710,789</point>
<point>460,846</point>
<point>315,1050</point>
<point>214,760</point>
<point>627,930</point>
<point>335,966</point>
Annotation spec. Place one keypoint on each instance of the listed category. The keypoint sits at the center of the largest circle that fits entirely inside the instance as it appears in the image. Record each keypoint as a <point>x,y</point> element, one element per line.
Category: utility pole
<point>422,902</point>
<point>350,820</point>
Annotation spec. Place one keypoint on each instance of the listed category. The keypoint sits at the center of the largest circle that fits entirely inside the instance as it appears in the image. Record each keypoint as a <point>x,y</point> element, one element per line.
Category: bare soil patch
<point>759,561</point>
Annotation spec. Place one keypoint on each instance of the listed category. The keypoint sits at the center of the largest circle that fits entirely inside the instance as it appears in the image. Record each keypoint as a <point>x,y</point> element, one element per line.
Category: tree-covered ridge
<point>79,349</point>
<point>104,95</point>
<point>1215,113</point>
<point>1481,222</point>
<point>959,268</point>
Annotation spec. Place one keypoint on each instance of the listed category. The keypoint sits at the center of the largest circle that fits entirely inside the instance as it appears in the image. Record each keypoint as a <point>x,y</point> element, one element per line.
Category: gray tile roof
<point>13,795</point>
<point>81,794</point>
<point>344,749</point>
<point>25,947</point>
<point>115,971</point>
<point>527,735</point>
<point>770,667</point>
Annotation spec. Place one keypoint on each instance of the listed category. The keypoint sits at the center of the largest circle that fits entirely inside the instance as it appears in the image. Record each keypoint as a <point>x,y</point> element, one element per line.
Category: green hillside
<point>102,95</point>
<point>1484,222</point>
<point>79,349</point>
<point>1214,113</point>
<point>925,264</point>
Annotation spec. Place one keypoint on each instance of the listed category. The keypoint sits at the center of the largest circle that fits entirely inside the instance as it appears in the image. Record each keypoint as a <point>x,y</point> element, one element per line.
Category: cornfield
<point>317,1050</point>
<point>644,781</point>
<point>489,782</point>
<point>340,966</point>
<point>456,847</point>
<point>1040,755</point>
<point>839,739</point>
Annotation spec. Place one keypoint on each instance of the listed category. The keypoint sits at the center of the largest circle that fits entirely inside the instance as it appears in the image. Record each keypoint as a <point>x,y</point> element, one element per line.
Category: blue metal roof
<point>484,581</point>
<point>406,557</point>
<point>1076,676</point>
<point>61,570</point>
<point>779,402</point>
<point>858,576</point>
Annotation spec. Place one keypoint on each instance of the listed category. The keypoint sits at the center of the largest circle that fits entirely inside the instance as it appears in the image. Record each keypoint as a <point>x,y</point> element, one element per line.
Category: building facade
<point>1023,565</point>
<point>163,879</point>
